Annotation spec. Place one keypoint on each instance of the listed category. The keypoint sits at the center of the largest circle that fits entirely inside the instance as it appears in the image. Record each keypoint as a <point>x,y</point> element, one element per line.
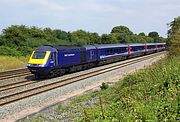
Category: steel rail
<point>17,84</point>
<point>14,73</point>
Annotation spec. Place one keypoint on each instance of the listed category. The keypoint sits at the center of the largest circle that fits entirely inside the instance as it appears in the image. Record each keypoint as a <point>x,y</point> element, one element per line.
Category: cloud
<point>91,15</point>
<point>25,5</point>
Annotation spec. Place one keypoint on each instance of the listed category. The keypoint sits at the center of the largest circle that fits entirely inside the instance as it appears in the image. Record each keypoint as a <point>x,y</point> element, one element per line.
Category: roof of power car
<point>68,47</point>
<point>59,48</point>
<point>46,48</point>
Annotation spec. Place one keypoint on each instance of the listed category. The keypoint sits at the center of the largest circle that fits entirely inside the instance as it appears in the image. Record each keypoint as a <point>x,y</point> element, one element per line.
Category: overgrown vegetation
<point>174,36</point>
<point>104,86</point>
<point>20,40</point>
<point>148,95</point>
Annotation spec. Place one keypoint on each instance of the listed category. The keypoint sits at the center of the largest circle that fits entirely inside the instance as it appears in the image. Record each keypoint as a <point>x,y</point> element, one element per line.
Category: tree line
<point>20,40</point>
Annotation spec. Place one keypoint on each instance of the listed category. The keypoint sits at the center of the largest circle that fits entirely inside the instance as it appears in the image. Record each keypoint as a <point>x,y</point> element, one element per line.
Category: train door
<point>53,59</point>
<point>92,53</point>
<point>83,55</point>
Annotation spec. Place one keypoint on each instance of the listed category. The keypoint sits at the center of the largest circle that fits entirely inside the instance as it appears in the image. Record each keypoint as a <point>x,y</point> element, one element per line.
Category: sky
<point>90,15</point>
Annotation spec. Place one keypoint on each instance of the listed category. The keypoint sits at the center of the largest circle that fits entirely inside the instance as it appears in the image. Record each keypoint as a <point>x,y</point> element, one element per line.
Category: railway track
<point>17,84</point>
<point>14,73</point>
<point>57,84</point>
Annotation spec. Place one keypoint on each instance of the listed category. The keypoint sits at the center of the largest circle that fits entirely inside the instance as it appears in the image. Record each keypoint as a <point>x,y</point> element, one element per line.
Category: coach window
<point>116,50</point>
<point>142,47</point>
<point>113,51</point>
<point>110,51</point>
<point>139,48</point>
<point>132,48</point>
<point>136,48</point>
<point>107,52</point>
<point>123,50</point>
<point>119,50</point>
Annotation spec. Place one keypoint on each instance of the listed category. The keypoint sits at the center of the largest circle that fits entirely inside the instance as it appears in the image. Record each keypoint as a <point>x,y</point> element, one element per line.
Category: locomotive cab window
<point>38,55</point>
<point>151,46</point>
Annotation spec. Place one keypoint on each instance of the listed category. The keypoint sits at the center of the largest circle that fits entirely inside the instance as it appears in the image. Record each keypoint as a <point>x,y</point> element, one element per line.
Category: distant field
<point>8,62</point>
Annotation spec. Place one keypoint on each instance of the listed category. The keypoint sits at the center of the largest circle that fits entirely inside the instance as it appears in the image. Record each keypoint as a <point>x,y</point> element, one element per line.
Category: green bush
<point>9,51</point>
<point>174,37</point>
<point>104,86</point>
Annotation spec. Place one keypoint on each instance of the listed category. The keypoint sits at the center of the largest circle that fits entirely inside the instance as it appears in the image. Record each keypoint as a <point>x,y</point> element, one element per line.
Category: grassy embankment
<point>147,95</point>
<point>8,62</point>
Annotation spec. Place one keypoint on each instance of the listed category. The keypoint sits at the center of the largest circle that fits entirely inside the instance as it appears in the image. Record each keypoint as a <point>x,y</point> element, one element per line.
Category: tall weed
<point>148,95</point>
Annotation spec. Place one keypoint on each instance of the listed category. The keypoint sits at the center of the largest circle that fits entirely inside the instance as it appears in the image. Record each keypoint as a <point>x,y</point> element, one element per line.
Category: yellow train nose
<point>39,57</point>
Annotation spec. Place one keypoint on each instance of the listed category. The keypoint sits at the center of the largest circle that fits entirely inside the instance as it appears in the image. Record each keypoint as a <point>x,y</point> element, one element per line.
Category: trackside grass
<point>8,62</point>
<point>149,95</point>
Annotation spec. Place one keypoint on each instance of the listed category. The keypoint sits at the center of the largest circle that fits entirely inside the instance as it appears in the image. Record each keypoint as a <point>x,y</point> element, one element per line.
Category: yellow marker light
<point>39,61</point>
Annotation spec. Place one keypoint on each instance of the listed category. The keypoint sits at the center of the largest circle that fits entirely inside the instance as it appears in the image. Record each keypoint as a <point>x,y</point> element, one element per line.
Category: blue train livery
<point>50,61</point>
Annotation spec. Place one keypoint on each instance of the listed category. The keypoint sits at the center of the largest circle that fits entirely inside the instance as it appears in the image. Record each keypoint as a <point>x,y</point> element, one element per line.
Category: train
<point>52,61</point>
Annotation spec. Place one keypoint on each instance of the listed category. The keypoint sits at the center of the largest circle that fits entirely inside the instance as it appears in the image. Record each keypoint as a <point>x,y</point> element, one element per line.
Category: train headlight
<point>28,64</point>
<point>41,65</point>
